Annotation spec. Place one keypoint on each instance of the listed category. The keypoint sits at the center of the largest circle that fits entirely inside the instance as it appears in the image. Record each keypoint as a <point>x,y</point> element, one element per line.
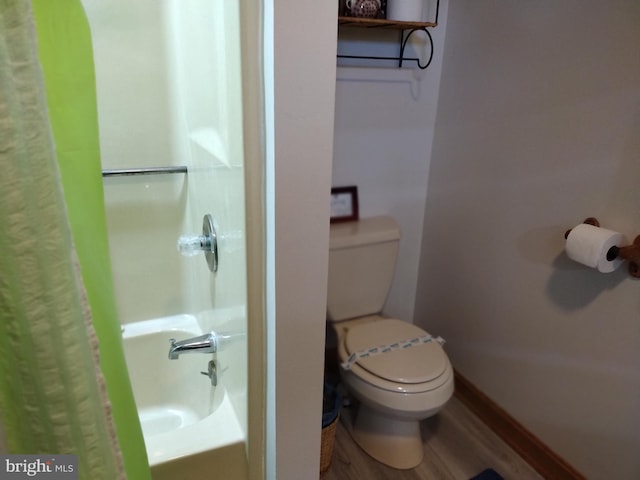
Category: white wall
<point>384,120</point>
<point>537,129</point>
<point>304,89</point>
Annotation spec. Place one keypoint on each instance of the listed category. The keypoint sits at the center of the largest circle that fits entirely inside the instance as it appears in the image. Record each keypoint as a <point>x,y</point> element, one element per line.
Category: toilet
<point>396,389</point>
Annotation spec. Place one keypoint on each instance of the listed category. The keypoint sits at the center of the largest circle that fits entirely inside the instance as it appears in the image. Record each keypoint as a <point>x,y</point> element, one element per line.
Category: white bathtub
<point>190,427</point>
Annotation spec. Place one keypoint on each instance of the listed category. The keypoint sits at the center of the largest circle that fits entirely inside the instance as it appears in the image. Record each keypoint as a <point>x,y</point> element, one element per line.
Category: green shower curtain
<point>64,386</point>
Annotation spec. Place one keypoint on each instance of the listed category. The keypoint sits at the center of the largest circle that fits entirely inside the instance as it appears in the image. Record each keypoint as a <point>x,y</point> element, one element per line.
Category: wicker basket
<point>326,445</point>
<point>330,416</point>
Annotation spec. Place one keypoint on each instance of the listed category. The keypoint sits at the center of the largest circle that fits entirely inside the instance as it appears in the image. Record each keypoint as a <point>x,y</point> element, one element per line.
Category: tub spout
<point>207,343</point>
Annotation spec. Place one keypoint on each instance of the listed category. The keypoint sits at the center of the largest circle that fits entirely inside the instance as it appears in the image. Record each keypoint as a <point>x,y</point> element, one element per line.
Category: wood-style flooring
<point>457,446</point>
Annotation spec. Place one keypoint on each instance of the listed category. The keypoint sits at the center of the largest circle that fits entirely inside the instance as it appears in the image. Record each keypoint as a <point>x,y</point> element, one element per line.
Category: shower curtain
<point>64,387</point>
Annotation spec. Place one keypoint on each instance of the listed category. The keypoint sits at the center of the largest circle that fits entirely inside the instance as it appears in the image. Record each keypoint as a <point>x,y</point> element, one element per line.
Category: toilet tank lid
<point>363,232</point>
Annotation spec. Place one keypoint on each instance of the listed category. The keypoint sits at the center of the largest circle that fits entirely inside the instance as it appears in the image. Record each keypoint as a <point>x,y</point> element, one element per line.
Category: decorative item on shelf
<point>383,9</point>
<point>344,204</point>
<point>363,8</point>
<point>602,249</point>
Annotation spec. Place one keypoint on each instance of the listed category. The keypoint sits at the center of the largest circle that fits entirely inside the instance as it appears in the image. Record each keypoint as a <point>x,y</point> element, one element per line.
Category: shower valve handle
<point>189,245</point>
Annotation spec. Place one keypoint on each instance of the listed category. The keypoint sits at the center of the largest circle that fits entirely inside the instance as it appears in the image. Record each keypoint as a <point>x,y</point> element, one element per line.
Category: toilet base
<point>392,441</point>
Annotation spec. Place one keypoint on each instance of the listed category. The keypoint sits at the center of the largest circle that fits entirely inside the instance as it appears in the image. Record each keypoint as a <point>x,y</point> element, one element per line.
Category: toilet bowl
<point>395,390</point>
<point>398,386</point>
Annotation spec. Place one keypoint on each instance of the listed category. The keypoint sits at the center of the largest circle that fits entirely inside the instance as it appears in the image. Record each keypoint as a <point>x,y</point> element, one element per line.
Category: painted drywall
<point>384,120</point>
<point>304,89</point>
<point>538,127</point>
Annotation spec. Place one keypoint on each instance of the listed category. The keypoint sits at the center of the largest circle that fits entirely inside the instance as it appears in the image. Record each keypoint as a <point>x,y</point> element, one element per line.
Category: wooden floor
<point>457,446</point>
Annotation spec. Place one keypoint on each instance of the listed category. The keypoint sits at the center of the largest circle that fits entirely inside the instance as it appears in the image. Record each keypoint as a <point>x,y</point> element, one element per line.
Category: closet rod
<point>120,172</point>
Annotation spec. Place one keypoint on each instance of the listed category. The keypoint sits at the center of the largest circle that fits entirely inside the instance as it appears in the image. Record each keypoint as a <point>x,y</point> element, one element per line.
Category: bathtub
<point>191,429</point>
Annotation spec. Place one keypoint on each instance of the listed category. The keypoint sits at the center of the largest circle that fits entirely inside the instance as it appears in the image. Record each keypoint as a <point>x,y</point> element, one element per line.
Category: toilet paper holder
<point>630,253</point>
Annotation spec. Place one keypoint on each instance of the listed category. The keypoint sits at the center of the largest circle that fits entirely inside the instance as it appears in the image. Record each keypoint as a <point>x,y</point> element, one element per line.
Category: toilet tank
<point>362,259</point>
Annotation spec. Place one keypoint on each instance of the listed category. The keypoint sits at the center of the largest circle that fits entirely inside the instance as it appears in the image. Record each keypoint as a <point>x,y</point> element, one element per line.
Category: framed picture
<point>344,204</point>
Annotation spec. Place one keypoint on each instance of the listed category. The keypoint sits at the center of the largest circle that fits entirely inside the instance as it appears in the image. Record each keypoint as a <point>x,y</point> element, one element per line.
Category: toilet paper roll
<point>589,245</point>
<point>405,10</point>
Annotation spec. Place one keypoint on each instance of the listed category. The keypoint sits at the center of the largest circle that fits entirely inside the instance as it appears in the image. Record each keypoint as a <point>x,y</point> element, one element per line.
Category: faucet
<point>207,343</point>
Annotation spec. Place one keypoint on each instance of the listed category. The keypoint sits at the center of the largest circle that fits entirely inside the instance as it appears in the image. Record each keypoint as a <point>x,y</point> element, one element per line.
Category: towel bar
<point>120,172</point>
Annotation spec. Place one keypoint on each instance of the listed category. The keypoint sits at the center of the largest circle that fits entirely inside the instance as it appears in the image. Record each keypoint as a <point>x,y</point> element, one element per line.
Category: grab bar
<point>120,172</point>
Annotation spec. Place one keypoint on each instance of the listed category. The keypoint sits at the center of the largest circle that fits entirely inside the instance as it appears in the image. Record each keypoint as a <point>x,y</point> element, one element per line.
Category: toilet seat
<point>417,369</point>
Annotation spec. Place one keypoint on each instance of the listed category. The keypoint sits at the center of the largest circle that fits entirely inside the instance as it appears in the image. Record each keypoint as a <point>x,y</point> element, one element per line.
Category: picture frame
<point>344,204</point>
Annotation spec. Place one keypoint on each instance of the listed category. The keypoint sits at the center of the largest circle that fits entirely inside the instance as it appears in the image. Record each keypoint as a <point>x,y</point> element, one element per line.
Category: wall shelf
<point>406,29</point>
<point>382,23</point>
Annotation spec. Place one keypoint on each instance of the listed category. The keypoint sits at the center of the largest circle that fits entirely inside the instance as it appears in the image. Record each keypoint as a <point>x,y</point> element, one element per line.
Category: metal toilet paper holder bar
<point>630,253</point>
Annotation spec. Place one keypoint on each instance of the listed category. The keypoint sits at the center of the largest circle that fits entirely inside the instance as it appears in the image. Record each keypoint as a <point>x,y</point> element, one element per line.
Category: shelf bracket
<point>403,43</point>
<point>404,38</point>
